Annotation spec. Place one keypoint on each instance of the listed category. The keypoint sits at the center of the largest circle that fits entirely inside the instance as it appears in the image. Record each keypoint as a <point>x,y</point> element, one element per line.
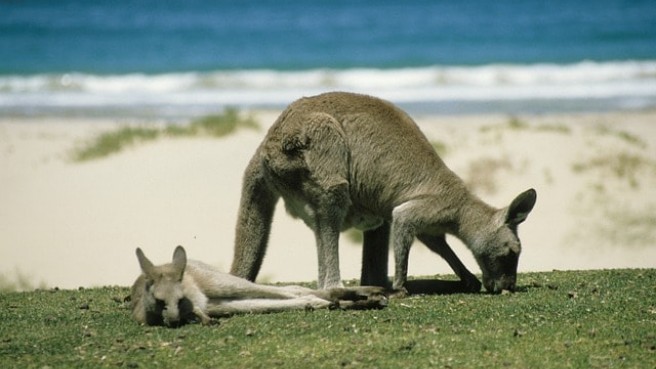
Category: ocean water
<point>181,58</point>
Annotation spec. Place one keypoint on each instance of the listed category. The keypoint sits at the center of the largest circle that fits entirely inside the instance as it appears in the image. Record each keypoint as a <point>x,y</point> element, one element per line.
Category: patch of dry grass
<point>108,143</point>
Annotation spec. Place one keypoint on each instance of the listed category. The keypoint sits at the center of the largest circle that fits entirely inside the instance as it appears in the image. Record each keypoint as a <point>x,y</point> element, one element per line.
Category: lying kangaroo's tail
<point>256,208</point>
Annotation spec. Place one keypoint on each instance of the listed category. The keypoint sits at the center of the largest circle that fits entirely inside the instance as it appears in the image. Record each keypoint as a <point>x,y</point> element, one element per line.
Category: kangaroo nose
<point>501,284</point>
<point>171,316</point>
<point>511,287</point>
<point>171,322</point>
<point>509,284</point>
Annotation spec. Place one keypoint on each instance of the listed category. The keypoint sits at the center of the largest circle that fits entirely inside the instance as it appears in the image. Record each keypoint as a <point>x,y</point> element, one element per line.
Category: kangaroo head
<point>499,251</point>
<point>164,297</point>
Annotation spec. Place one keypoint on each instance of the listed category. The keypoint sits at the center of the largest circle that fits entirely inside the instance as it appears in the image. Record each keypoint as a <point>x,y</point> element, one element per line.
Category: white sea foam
<point>633,81</point>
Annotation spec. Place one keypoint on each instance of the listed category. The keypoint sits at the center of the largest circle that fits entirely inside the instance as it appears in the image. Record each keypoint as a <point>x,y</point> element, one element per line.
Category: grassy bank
<point>589,319</point>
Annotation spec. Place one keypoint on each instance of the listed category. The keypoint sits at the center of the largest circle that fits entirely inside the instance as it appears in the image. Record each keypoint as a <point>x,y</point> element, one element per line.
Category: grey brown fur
<point>342,160</point>
<point>185,291</point>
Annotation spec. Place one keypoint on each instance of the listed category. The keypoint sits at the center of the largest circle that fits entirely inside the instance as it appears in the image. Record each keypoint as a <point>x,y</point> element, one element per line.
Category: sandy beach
<point>70,224</point>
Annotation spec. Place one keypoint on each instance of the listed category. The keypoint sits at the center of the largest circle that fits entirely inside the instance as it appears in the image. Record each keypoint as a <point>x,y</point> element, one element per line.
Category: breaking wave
<point>629,83</point>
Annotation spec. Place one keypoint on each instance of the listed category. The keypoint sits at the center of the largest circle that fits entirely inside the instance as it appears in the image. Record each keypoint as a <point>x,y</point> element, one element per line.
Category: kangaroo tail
<point>258,202</point>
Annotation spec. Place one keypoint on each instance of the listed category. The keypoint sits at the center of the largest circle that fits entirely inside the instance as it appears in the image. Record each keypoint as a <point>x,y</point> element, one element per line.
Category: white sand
<point>77,224</point>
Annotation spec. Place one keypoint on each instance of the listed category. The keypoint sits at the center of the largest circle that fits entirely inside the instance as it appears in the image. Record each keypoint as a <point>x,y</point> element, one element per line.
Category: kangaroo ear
<point>180,260</point>
<point>520,207</point>
<point>145,264</point>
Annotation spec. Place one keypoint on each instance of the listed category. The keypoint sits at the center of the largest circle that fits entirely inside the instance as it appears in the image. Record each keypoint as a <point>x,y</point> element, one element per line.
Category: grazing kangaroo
<point>185,291</point>
<point>342,160</point>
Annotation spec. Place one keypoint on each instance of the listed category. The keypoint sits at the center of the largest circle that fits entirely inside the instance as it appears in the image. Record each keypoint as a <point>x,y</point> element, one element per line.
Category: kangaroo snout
<point>175,315</point>
<point>499,284</point>
<point>171,316</point>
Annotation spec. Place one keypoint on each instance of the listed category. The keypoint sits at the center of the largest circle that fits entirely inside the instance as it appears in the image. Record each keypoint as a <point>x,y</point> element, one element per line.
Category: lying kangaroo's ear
<point>520,207</point>
<point>180,260</point>
<point>145,264</point>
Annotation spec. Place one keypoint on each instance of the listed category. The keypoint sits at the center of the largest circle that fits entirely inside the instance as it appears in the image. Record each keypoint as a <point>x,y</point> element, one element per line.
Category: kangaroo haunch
<point>342,160</point>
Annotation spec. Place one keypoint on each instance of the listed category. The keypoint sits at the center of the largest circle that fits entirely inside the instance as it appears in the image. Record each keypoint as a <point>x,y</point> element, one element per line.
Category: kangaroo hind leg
<point>327,191</point>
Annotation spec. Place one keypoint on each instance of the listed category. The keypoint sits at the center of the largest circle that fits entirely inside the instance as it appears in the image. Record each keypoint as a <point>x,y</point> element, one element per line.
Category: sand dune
<point>77,224</point>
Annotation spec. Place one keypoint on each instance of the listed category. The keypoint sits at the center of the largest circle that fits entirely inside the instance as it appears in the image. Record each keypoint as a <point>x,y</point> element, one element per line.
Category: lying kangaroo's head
<point>498,251</point>
<point>164,297</point>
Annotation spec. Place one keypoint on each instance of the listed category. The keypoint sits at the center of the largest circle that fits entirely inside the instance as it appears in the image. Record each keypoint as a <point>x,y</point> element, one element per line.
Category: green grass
<point>627,137</point>
<point>621,165</point>
<point>218,125</point>
<point>591,319</point>
<point>112,142</point>
<point>517,124</point>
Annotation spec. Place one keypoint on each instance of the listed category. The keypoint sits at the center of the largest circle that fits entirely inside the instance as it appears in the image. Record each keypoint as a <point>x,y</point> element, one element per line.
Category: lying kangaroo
<point>344,160</point>
<point>186,291</point>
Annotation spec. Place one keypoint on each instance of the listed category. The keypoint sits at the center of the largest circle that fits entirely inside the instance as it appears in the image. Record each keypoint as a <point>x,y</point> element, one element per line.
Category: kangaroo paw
<point>354,293</point>
<point>373,302</point>
<point>471,284</point>
<point>203,317</point>
<point>357,298</point>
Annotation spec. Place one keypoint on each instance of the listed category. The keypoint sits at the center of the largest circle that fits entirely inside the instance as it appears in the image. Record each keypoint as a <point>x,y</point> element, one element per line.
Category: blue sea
<point>184,58</point>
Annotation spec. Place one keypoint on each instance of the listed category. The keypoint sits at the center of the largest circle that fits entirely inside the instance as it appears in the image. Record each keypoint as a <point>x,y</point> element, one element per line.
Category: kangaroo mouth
<point>499,285</point>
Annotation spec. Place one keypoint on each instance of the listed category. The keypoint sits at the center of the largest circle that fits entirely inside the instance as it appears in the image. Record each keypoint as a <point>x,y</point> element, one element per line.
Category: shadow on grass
<point>449,287</point>
<point>435,287</point>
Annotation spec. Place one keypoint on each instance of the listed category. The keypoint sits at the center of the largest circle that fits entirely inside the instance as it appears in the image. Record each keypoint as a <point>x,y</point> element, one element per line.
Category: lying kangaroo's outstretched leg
<point>344,298</point>
<point>219,309</point>
<point>229,287</point>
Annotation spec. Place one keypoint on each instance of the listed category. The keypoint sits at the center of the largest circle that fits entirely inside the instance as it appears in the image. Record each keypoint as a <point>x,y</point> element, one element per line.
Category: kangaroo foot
<point>357,298</point>
<point>351,293</point>
<point>203,317</point>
